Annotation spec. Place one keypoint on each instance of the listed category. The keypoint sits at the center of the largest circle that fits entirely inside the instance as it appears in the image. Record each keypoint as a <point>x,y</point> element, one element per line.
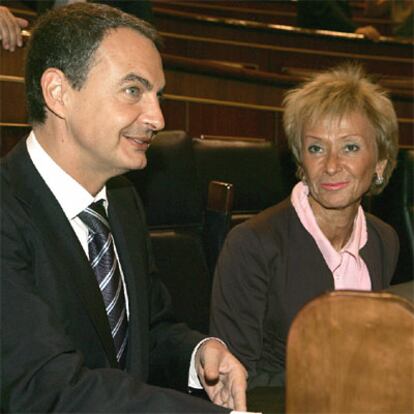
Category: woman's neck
<point>336,225</point>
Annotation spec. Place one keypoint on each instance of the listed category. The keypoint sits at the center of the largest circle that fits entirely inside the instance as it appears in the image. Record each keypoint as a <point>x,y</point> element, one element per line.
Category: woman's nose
<point>332,163</point>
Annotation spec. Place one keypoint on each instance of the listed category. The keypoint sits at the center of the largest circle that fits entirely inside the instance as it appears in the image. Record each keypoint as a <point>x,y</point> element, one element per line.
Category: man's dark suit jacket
<point>56,347</point>
<point>268,269</point>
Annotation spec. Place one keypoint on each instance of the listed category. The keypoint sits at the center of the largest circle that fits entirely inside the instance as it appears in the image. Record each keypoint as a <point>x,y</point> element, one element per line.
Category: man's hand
<point>222,375</point>
<point>11,29</point>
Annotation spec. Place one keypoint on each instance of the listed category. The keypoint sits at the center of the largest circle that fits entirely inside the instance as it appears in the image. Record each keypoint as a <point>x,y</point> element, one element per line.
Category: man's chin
<point>138,164</point>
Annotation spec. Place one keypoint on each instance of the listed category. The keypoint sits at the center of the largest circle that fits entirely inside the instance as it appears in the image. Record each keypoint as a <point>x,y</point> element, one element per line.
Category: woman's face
<point>339,160</point>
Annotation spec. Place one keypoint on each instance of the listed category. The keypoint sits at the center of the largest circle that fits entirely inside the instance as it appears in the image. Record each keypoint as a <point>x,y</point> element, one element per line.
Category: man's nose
<point>153,117</point>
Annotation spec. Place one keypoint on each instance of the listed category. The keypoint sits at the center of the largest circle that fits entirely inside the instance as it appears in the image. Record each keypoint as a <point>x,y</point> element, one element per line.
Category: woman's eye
<point>314,149</point>
<point>351,147</point>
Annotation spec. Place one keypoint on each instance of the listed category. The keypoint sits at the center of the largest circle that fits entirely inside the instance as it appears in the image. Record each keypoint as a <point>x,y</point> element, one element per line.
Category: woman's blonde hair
<point>333,94</point>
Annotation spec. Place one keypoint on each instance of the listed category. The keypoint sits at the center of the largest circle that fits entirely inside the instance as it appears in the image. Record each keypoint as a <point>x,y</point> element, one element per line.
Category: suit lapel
<point>128,231</point>
<point>66,252</point>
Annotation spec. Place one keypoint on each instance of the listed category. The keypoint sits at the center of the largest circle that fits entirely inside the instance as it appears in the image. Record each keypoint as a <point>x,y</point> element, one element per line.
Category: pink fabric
<point>348,269</point>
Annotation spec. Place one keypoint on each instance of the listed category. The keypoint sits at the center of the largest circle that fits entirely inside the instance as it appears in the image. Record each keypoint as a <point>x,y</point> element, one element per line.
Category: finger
<point>226,396</point>
<point>21,23</point>
<point>236,386</point>
<point>7,32</point>
<point>10,29</point>
<point>213,393</point>
<point>211,366</point>
<point>229,392</point>
<point>238,398</point>
<point>220,395</point>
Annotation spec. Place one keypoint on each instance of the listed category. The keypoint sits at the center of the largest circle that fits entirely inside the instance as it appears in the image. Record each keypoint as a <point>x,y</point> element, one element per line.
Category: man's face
<point>110,121</point>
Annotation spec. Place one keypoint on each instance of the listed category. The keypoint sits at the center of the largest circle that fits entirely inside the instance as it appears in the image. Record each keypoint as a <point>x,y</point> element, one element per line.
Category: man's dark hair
<point>67,38</point>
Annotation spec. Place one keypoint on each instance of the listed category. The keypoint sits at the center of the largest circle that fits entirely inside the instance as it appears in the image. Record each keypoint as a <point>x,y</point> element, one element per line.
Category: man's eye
<point>133,91</point>
<point>351,147</point>
<point>314,149</point>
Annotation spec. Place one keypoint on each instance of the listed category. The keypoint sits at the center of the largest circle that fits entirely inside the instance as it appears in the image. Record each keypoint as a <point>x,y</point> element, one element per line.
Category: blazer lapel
<point>66,252</point>
<point>130,236</point>
<point>371,256</point>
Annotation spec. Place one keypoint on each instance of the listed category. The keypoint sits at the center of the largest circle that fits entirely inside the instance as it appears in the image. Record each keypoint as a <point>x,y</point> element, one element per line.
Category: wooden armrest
<point>220,196</point>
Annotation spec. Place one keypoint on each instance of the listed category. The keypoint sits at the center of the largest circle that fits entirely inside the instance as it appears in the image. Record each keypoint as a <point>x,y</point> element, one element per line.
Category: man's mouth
<point>141,143</point>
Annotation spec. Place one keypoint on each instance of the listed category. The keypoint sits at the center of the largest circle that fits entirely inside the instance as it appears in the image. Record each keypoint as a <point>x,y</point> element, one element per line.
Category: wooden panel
<point>289,36</point>
<point>224,88</point>
<point>287,6</point>
<point>175,114</point>
<point>12,63</point>
<point>214,119</point>
<point>13,105</point>
<point>406,129</point>
<point>272,16</point>
<point>230,10</point>
<point>274,58</point>
<point>214,81</point>
<point>351,352</point>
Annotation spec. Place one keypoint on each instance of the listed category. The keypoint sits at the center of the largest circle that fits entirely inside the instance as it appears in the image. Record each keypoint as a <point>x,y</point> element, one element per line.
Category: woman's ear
<point>380,167</point>
<point>54,85</point>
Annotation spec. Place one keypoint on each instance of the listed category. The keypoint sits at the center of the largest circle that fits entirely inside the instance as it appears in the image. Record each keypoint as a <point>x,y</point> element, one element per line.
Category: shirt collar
<point>358,239</point>
<point>72,197</point>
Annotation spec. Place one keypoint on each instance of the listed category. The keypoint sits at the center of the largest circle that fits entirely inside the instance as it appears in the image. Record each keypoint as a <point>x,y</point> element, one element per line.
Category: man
<point>83,335</point>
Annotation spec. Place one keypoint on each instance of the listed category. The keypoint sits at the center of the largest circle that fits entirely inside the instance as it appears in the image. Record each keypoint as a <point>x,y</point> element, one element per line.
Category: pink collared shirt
<point>347,266</point>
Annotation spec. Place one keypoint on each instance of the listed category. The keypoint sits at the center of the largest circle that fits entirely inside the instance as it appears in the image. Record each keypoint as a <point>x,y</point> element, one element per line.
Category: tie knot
<point>94,216</point>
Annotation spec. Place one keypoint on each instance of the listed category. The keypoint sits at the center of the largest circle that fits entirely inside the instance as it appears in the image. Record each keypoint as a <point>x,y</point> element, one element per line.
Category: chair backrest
<point>168,185</point>
<point>351,352</point>
<point>253,166</point>
<point>185,234</point>
<point>395,205</point>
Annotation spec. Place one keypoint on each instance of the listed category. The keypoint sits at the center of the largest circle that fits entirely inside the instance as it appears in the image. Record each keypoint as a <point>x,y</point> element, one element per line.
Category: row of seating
<point>231,81</point>
<point>275,57</point>
<point>173,21</point>
<point>255,12</point>
<point>188,223</point>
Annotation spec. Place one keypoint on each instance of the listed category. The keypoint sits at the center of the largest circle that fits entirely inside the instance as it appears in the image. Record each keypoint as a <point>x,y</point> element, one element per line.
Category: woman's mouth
<point>334,186</point>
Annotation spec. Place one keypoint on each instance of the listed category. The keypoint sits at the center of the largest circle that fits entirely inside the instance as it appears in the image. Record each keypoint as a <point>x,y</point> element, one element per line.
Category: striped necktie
<point>106,268</point>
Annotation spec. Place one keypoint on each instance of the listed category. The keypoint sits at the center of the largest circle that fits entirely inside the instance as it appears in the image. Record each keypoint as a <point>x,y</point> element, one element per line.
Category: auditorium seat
<point>351,352</point>
<point>177,225</point>
<point>217,219</point>
<point>395,205</point>
<point>253,166</point>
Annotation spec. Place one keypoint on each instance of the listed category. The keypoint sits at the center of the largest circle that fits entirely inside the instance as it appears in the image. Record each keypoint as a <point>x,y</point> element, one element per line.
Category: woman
<point>343,132</point>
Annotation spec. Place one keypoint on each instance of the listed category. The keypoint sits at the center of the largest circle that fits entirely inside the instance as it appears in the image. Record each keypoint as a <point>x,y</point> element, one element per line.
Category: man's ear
<point>54,86</point>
